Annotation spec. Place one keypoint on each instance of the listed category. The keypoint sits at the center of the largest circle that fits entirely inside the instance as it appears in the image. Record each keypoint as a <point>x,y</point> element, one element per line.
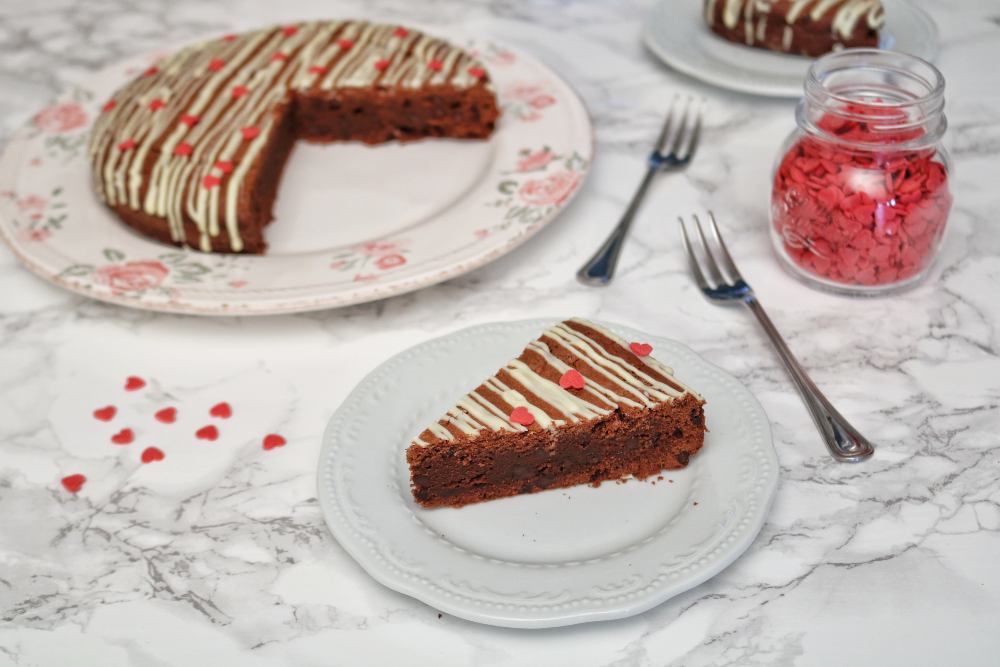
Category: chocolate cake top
<point>575,371</point>
<point>843,16</point>
<point>183,135</point>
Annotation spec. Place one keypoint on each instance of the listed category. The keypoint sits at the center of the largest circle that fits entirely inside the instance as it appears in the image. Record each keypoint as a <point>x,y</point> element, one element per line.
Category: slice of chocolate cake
<point>802,27</point>
<point>579,405</point>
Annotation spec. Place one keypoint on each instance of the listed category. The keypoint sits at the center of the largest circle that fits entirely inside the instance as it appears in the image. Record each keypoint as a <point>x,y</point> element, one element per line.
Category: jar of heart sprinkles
<point>860,194</point>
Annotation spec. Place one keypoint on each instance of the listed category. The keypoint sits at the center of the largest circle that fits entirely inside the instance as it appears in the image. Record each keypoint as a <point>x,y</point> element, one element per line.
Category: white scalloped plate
<point>548,559</point>
<point>354,223</point>
<point>676,32</point>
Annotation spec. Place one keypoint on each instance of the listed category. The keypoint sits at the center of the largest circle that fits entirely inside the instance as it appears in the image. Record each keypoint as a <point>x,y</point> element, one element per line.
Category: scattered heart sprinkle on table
<point>73,483</point>
<point>123,437</point>
<point>106,413</point>
<point>221,410</point>
<point>134,383</point>
<point>151,454</point>
<point>207,433</point>
<point>273,440</point>
<point>166,415</point>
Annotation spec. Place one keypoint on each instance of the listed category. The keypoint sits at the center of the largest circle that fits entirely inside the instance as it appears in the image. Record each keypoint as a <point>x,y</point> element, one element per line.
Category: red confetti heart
<point>225,166</point>
<point>183,149</point>
<point>109,105</point>
<point>207,433</point>
<point>641,349</point>
<point>151,454</point>
<point>73,483</point>
<point>239,91</point>
<point>105,414</point>
<point>229,38</point>
<point>571,379</point>
<point>382,65</point>
<point>166,415</point>
<point>279,57</point>
<point>189,120</point>
<point>210,181</point>
<point>522,416</point>
<point>317,69</point>
<point>133,383</point>
<point>216,64</point>
<point>345,44</point>
<point>156,104</point>
<point>401,32</point>
<point>290,30</point>
<point>477,72</point>
<point>221,410</point>
<point>435,65</point>
<point>127,145</point>
<point>123,437</point>
<point>273,440</point>
<point>152,71</point>
<point>250,132</point>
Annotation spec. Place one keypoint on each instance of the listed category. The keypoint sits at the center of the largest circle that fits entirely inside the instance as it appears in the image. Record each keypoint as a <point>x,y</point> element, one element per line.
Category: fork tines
<point>716,274</point>
<point>678,144</point>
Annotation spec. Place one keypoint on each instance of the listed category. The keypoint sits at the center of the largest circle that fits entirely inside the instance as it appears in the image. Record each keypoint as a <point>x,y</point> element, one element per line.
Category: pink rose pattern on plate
<point>62,117</point>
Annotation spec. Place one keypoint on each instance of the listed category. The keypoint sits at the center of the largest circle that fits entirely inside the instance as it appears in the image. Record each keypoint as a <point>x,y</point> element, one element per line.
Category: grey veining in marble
<point>224,558</point>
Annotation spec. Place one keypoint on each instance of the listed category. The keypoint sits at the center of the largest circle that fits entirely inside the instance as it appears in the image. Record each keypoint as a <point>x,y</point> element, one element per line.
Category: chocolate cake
<point>579,405</point>
<point>802,27</point>
<point>190,152</point>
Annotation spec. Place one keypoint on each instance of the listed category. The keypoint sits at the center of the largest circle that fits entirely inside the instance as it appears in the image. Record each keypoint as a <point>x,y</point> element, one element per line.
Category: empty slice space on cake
<point>579,405</point>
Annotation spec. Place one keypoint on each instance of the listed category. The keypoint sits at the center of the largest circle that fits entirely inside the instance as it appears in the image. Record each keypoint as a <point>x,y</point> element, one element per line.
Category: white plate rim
<point>365,552</point>
<point>775,88</point>
<point>229,303</point>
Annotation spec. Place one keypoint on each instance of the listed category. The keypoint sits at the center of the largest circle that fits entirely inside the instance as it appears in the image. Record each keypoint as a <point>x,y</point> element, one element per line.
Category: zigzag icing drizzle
<point>615,378</point>
<point>196,122</point>
<point>847,15</point>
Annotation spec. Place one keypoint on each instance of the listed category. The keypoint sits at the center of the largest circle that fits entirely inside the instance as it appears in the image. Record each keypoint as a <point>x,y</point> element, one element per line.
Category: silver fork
<point>724,284</point>
<point>673,151</point>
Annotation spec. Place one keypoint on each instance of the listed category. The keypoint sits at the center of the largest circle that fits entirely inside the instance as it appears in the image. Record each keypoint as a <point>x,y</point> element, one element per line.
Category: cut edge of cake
<point>579,405</point>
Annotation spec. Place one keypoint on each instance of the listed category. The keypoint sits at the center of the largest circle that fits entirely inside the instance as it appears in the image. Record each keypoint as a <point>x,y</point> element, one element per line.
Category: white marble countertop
<point>229,562</point>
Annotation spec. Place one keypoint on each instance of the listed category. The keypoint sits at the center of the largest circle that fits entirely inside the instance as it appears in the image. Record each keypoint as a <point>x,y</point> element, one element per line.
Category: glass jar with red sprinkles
<point>861,189</point>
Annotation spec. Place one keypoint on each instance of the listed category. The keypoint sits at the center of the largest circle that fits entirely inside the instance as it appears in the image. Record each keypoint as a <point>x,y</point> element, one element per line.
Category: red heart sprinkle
<point>273,440</point>
<point>123,437</point>
<point>216,64</point>
<point>229,38</point>
<point>151,454</point>
<point>73,483</point>
<point>225,166</point>
<point>133,383</point>
<point>105,414</point>
<point>477,72</point>
<point>189,120</point>
<point>210,181</point>
<point>279,57</point>
<point>400,32</point>
<point>221,410</point>
<point>239,91</point>
<point>156,104</point>
<point>152,71</point>
<point>290,30</point>
<point>641,349</point>
<point>126,145</point>
<point>207,433</point>
<point>183,149</point>
<point>166,415</point>
<point>382,64</point>
<point>571,379</point>
<point>522,416</point>
<point>345,44</point>
<point>250,132</point>
<point>435,65</point>
<point>317,69</point>
<point>109,105</point>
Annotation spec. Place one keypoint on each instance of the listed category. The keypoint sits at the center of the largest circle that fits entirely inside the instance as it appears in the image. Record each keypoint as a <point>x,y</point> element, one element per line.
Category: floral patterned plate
<point>353,223</point>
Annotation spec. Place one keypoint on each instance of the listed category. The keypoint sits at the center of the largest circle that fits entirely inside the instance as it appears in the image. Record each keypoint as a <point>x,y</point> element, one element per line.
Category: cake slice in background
<point>801,27</point>
<point>579,405</point>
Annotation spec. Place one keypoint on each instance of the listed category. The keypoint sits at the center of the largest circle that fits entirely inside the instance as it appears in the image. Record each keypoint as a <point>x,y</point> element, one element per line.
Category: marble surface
<point>219,554</point>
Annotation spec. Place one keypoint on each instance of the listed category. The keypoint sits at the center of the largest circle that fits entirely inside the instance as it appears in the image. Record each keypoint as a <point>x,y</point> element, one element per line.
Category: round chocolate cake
<point>190,152</point>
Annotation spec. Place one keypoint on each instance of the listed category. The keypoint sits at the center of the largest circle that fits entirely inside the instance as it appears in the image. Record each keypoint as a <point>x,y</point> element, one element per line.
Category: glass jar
<point>860,192</point>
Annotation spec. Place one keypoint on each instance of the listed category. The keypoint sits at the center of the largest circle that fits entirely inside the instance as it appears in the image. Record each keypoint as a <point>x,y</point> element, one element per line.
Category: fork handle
<point>842,439</point>
<point>600,268</point>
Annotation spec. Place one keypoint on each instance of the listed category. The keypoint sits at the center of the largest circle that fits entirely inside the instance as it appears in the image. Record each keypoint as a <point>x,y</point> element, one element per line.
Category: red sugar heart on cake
<point>106,413</point>
<point>183,149</point>
<point>225,166</point>
<point>571,379</point>
<point>250,132</point>
<point>190,120</point>
<point>273,440</point>
<point>641,349</point>
<point>216,64</point>
<point>521,415</point>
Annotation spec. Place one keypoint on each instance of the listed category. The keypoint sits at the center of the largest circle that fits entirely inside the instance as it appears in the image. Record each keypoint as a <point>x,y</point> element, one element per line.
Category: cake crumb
<point>439,615</point>
<point>659,477</point>
<point>695,503</point>
<point>671,481</point>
